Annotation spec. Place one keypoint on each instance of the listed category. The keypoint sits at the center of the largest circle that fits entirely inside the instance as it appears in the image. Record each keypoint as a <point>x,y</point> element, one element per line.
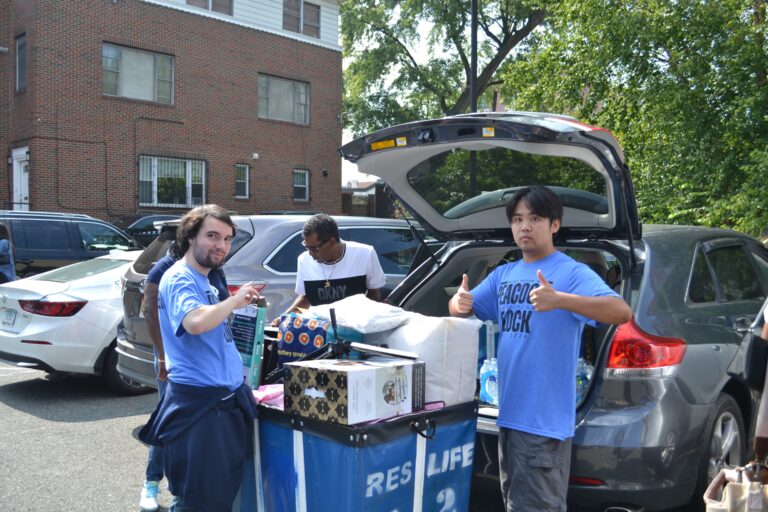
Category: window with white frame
<point>301,185</point>
<point>283,99</point>
<point>222,6</point>
<point>137,74</point>
<point>171,182</point>
<point>21,62</point>
<point>241,180</point>
<point>301,17</point>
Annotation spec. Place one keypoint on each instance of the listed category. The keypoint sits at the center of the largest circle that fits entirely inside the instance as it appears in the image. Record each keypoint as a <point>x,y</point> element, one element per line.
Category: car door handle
<point>742,324</point>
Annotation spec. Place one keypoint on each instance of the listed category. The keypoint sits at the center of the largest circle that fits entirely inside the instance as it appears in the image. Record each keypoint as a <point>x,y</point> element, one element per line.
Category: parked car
<point>145,229</point>
<point>64,321</point>
<point>48,240</point>
<point>265,248</point>
<point>660,416</point>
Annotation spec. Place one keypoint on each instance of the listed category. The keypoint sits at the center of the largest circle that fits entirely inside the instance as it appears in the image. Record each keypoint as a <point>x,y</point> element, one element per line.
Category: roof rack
<point>18,213</point>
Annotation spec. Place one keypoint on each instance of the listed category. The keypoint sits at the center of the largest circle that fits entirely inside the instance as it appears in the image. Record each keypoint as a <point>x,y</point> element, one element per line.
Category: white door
<point>21,179</point>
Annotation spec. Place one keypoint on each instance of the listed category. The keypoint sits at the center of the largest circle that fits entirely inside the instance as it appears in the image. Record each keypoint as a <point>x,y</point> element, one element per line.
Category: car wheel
<point>725,445</point>
<point>118,382</point>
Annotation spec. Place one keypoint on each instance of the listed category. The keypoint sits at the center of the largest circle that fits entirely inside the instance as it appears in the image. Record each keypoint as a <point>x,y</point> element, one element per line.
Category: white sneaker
<point>149,494</point>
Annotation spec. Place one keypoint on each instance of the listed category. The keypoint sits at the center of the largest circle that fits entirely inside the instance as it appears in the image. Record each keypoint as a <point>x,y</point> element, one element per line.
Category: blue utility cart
<point>418,462</point>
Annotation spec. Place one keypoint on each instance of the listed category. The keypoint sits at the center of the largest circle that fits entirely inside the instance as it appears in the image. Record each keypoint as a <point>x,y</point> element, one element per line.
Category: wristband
<point>161,360</point>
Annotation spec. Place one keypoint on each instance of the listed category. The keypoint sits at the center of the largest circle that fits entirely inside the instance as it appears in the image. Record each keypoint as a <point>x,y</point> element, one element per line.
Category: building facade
<point>116,108</point>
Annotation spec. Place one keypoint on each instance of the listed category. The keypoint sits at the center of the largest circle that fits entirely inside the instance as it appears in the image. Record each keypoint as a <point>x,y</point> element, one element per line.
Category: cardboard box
<point>351,392</point>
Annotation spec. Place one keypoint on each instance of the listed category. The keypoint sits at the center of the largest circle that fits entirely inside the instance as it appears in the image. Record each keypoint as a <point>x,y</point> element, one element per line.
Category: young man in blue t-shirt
<point>154,472</point>
<point>204,421</point>
<point>541,304</point>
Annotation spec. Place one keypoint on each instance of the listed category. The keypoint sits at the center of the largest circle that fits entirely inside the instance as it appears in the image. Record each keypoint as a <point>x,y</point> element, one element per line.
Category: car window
<point>44,235</point>
<point>154,251</point>
<point>735,275</point>
<point>285,258</point>
<point>702,288</point>
<point>395,247</point>
<point>98,237</point>
<point>242,237</point>
<point>762,265</point>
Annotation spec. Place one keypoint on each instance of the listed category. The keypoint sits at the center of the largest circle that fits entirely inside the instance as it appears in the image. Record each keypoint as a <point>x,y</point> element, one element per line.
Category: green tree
<point>683,86</point>
<point>388,80</point>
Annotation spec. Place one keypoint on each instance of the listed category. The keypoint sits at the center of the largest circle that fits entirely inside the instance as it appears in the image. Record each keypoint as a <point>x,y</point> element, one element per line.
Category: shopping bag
<point>749,363</point>
<point>301,334</point>
<point>737,490</point>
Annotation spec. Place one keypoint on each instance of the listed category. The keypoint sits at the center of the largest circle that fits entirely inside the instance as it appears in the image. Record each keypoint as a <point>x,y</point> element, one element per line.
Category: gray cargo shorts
<point>533,471</point>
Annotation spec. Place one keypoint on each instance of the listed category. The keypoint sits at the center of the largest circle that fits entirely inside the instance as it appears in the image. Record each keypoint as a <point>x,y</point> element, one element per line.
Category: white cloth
<point>364,315</point>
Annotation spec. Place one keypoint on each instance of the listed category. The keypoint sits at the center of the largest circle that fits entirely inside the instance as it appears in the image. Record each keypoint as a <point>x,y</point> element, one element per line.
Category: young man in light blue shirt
<point>204,421</point>
<point>541,304</point>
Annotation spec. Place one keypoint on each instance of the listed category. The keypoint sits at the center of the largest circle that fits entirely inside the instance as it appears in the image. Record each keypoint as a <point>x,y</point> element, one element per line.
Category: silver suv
<point>265,248</point>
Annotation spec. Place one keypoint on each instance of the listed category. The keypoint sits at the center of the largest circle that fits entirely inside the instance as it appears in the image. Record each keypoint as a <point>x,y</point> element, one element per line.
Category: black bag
<point>748,366</point>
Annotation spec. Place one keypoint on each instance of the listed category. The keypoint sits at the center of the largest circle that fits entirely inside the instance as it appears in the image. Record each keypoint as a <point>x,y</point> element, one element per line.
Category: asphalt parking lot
<point>69,444</point>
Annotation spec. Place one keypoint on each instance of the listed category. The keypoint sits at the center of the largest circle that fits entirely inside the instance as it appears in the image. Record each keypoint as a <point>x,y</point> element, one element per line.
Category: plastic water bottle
<point>484,371</point>
<point>492,383</point>
<point>583,376</point>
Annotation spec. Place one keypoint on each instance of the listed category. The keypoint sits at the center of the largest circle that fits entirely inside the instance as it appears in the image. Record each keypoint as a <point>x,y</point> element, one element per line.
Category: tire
<point>724,445</point>
<point>116,381</point>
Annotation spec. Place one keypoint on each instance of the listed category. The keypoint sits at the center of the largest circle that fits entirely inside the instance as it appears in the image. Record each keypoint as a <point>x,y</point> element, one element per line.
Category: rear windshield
<point>81,270</point>
<point>159,248</point>
<point>444,179</point>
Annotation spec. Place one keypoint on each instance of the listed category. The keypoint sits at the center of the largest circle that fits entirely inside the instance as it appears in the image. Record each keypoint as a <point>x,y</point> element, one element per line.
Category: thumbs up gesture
<point>462,300</point>
<point>544,297</point>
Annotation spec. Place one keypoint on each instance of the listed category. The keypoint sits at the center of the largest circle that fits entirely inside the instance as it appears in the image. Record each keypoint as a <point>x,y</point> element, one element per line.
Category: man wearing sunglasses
<point>331,269</point>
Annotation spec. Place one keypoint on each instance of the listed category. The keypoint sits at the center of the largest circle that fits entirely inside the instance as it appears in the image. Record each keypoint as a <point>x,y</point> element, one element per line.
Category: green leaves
<point>681,83</point>
<point>678,83</point>
<point>412,57</point>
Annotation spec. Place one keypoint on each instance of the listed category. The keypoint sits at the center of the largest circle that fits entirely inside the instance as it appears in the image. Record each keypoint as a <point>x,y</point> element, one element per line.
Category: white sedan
<point>65,320</point>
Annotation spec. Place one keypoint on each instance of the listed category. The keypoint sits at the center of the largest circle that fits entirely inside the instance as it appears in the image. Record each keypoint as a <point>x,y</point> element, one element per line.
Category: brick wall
<point>84,146</point>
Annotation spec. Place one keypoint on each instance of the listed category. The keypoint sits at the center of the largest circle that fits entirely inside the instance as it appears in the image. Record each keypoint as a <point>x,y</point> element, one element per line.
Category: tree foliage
<point>394,76</point>
<point>683,86</point>
<point>681,83</point>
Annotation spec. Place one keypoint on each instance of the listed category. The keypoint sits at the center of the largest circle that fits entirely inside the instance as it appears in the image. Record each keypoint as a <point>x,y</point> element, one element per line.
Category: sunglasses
<point>314,248</point>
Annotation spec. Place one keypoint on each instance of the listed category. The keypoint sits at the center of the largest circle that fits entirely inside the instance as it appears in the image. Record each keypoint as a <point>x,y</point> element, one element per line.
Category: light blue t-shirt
<point>537,352</point>
<point>209,359</point>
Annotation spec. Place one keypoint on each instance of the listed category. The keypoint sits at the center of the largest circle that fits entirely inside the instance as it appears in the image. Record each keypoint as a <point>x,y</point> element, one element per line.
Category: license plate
<point>9,316</point>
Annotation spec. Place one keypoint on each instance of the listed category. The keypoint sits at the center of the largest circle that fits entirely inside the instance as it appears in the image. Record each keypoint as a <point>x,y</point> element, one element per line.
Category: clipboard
<point>248,332</point>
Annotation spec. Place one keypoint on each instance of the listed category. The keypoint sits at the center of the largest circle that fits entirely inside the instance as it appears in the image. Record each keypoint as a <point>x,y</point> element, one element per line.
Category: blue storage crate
<point>419,462</point>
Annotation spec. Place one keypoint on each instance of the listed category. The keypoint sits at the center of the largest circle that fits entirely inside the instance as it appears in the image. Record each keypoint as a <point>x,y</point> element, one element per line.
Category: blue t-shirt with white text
<point>537,351</point>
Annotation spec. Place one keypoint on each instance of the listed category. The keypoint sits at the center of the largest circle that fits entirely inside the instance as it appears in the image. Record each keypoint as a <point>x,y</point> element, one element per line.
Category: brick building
<point>119,107</point>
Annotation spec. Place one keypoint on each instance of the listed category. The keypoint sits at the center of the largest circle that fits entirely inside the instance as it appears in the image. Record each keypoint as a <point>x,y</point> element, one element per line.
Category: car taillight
<point>45,308</point>
<point>637,354</point>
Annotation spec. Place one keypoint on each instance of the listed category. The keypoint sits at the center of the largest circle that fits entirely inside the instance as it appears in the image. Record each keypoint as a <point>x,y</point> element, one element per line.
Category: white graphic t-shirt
<point>358,271</point>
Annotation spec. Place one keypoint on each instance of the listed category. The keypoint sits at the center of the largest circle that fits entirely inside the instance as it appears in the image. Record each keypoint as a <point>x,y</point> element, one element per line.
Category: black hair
<point>193,220</point>
<point>323,226</point>
<point>540,200</point>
